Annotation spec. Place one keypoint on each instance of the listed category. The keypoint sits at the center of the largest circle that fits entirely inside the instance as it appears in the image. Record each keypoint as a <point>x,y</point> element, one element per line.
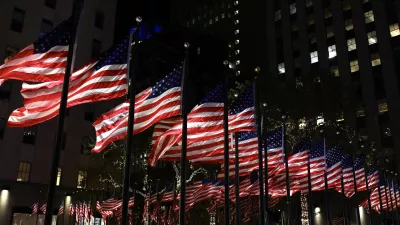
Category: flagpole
<point>380,199</point>
<point>263,216</point>
<point>387,199</point>
<point>266,173</point>
<point>89,206</point>
<point>395,200</point>
<point>289,206</point>
<point>237,204</point>
<point>131,119</point>
<point>391,203</point>
<point>226,146</point>
<point>344,201</point>
<point>185,73</point>
<point>328,210</point>
<point>310,211</point>
<point>369,197</point>
<point>37,211</point>
<point>77,5</point>
<point>355,190</point>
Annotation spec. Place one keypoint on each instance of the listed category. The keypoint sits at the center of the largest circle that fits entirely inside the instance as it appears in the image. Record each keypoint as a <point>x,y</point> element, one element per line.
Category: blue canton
<point>207,181</point>
<point>244,101</point>
<point>59,36</point>
<point>115,56</point>
<point>302,146</point>
<point>246,135</point>
<point>333,156</point>
<point>347,161</point>
<point>317,149</point>
<point>359,163</point>
<point>215,96</point>
<point>170,81</point>
<point>372,170</point>
<point>274,139</point>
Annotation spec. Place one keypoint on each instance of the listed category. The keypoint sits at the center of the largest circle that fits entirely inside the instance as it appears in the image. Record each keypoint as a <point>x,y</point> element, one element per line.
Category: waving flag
<point>71,210</point>
<point>43,208</point>
<point>360,173</point>
<point>151,105</point>
<point>102,79</point>
<point>44,60</point>
<point>334,166</point>
<point>347,176</point>
<point>61,209</point>
<point>35,208</point>
<point>373,176</point>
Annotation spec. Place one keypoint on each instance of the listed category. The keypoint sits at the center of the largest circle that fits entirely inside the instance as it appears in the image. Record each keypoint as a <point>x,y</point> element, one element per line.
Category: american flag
<point>160,128</point>
<point>71,210</point>
<point>61,209</point>
<point>317,168</point>
<point>190,192</point>
<point>44,60</point>
<point>204,123</point>
<point>249,159</point>
<point>35,208</point>
<point>205,128</point>
<point>334,166</point>
<point>43,208</point>
<point>347,176</point>
<point>85,212</point>
<point>101,79</point>
<point>168,194</point>
<point>360,173</point>
<point>77,211</point>
<point>373,176</point>
<point>151,105</point>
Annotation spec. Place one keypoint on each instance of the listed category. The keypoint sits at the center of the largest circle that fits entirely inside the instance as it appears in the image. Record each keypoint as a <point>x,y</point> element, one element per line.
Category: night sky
<point>152,11</point>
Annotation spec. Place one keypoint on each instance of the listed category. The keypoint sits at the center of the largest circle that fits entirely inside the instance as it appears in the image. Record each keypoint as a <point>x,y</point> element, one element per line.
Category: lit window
<point>216,19</point>
<point>335,71</point>
<point>237,52</point>
<point>340,117</point>
<point>299,83</point>
<point>372,38</point>
<point>222,15</point>
<point>369,17</point>
<point>314,57</point>
<point>328,13</point>
<point>236,3</point>
<point>308,3</point>
<point>278,15</point>
<point>238,73</point>
<point>349,24</point>
<point>351,44</point>
<point>24,171</point>
<point>292,8</point>
<point>302,124</point>
<point>354,66</point>
<point>236,22</point>
<point>236,12</point>
<point>382,107</point>
<point>311,20</point>
<point>332,51</point>
<point>375,59</point>
<point>237,62</point>
<point>236,31</point>
<point>346,6</point>
<point>360,112</point>
<point>237,41</point>
<point>394,30</point>
<point>59,171</point>
<point>82,179</point>
<point>281,68</point>
<point>330,32</point>
<point>210,21</point>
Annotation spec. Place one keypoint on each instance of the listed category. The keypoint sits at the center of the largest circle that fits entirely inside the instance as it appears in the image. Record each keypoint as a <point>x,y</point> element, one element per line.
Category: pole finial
<point>138,19</point>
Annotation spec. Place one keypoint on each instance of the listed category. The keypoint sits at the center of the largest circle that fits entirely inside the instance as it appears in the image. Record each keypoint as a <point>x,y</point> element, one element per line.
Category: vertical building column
<point>367,80</point>
<point>347,95</point>
<point>388,73</point>
<point>271,41</point>
<point>302,23</point>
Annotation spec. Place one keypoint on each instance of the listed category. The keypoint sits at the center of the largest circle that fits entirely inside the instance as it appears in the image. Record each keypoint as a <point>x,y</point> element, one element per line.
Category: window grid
<point>281,68</point>
<point>351,44</point>
<point>82,179</point>
<point>394,30</point>
<point>354,66</point>
<point>369,17</point>
<point>372,38</point>
<point>314,57</point>
<point>332,51</point>
<point>24,170</point>
<point>375,59</point>
<point>335,71</point>
<point>349,24</point>
<point>292,8</point>
<point>278,15</point>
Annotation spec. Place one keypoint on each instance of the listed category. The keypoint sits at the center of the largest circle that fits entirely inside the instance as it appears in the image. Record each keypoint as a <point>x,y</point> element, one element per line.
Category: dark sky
<point>152,11</point>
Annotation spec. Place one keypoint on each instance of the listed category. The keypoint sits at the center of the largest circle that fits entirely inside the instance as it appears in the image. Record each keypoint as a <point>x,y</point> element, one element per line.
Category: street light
<point>317,210</point>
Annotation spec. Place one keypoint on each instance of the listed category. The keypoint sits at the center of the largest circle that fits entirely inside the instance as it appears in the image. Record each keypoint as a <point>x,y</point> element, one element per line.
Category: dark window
<point>51,3</point>
<point>86,145</point>
<point>5,91</point>
<point>89,113</point>
<point>99,20</point>
<point>64,141</point>
<point>46,27</point>
<point>3,124</point>
<point>29,135</point>
<point>10,52</point>
<point>18,18</point>
<point>96,48</point>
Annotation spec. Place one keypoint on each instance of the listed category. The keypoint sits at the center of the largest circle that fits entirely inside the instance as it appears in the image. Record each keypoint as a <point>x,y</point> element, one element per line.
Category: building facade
<point>26,153</point>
